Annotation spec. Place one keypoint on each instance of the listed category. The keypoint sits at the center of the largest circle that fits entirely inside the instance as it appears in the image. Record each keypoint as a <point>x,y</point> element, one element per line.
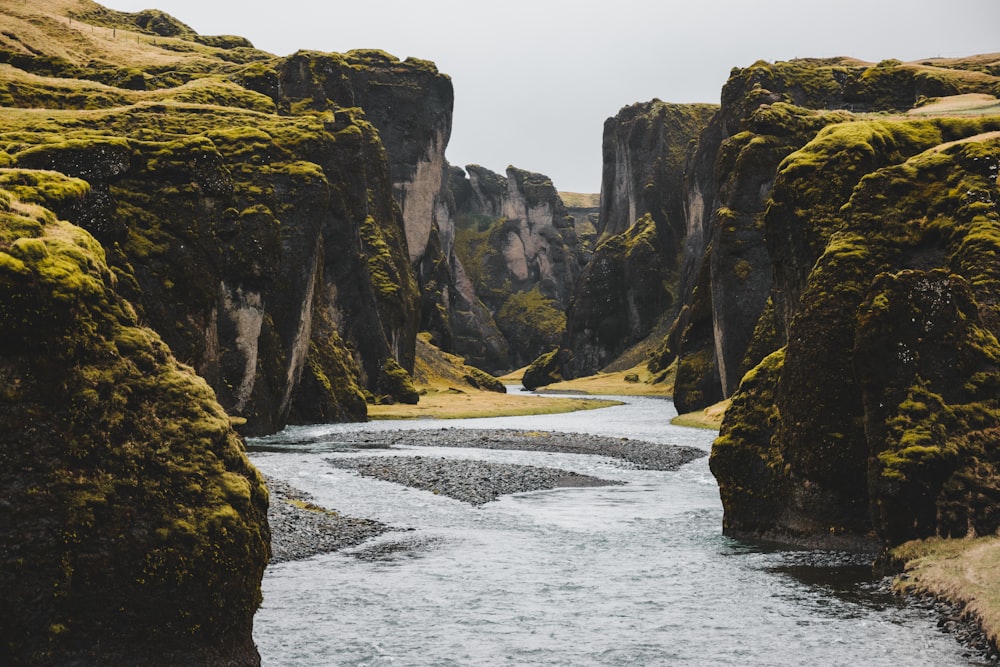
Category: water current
<point>638,574</point>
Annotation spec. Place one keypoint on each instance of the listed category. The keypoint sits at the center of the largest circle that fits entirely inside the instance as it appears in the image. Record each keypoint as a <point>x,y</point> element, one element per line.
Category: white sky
<point>535,79</point>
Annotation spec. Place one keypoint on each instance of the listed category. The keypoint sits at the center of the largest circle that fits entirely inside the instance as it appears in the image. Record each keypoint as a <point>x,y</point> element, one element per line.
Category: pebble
<point>639,454</point>
<point>474,482</point>
<point>300,528</point>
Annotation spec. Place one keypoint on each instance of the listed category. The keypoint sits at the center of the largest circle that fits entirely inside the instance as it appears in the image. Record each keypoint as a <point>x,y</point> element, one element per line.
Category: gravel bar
<point>475,482</point>
<point>300,528</point>
<point>639,453</point>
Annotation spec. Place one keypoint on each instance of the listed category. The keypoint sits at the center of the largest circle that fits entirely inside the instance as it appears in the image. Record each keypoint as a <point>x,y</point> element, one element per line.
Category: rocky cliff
<point>630,283</point>
<point>876,420</point>
<point>520,250</point>
<point>134,529</point>
<point>768,111</point>
<point>263,224</point>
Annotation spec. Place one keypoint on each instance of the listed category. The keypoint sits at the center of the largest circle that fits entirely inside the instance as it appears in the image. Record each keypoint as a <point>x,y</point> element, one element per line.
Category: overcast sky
<point>535,79</point>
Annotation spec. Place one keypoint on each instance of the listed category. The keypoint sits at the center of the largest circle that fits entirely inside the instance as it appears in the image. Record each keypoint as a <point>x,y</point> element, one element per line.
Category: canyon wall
<point>134,528</point>
<point>264,224</point>
<point>522,255</point>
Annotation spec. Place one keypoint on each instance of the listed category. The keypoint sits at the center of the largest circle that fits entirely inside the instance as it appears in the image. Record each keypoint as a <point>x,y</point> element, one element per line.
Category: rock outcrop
<point>630,282</point>
<point>768,111</point>
<point>134,529</point>
<point>876,421</point>
<point>263,225</point>
<point>522,255</point>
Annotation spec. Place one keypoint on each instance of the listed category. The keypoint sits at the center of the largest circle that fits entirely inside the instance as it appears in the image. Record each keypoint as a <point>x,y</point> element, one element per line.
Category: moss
<point>395,383</point>
<point>45,188</point>
<point>868,223</point>
<point>528,317</point>
<point>128,554</point>
<point>384,271</point>
<point>542,371</point>
<point>692,370</point>
<point>746,458</point>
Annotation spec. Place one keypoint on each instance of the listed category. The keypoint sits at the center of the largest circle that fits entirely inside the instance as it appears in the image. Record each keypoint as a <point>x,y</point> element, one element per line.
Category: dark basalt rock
<point>768,111</point>
<point>627,287</point>
<point>134,528</point>
<point>273,253</point>
<point>877,421</point>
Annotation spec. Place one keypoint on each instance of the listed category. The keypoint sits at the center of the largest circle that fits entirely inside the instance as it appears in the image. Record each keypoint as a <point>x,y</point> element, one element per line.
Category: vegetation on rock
<point>266,249</point>
<point>900,307</point>
<point>140,530</point>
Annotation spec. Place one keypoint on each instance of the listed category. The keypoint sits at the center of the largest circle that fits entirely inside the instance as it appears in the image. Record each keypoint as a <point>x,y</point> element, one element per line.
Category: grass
<point>473,403</point>
<point>642,383</point>
<point>445,393</point>
<point>962,571</point>
<point>969,104</point>
<point>580,200</point>
<point>709,418</point>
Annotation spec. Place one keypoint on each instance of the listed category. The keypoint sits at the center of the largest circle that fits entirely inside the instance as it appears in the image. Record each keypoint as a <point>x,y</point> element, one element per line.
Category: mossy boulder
<point>135,529</point>
<point>542,371</point>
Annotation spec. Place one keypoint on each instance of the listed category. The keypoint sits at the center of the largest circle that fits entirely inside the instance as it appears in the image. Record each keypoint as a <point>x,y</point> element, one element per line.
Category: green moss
<point>395,384</point>
<point>692,371</point>
<point>533,315</point>
<point>118,432</point>
<point>45,188</point>
<point>746,458</point>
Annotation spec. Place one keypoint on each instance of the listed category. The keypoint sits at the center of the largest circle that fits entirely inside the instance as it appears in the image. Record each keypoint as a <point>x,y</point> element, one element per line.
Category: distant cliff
<point>520,249</point>
<point>631,280</point>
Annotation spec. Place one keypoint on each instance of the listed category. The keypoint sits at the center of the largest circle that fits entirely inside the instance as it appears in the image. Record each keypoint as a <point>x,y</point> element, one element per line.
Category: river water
<point>638,574</point>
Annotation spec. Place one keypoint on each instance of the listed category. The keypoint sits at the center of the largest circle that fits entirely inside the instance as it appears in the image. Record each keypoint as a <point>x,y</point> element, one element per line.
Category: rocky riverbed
<point>300,528</point>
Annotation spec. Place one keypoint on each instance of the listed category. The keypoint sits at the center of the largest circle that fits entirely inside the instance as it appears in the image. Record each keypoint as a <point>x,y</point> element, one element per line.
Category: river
<point>638,574</point>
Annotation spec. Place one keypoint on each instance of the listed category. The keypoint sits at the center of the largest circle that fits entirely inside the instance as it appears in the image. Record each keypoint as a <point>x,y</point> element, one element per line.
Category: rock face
<point>629,283</point>
<point>134,528</point>
<point>768,111</point>
<point>877,420</point>
<point>260,220</point>
<point>522,255</point>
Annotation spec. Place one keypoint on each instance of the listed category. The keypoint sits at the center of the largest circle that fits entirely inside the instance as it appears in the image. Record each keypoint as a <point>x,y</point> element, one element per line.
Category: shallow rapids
<point>638,574</point>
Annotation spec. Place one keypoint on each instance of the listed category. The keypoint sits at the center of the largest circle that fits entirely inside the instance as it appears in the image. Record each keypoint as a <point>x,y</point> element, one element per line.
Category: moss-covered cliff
<point>257,218</point>
<point>768,111</point>
<point>631,281</point>
<point>133,527</point>
<point>878,419</point>
<point>519,247</point>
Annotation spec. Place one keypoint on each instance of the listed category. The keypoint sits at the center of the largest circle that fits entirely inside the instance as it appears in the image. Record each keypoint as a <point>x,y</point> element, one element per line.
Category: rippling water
<point>627,575</point>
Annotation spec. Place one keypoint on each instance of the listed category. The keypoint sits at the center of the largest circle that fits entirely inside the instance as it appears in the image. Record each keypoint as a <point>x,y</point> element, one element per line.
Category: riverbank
<point>469,403</point>
<point>962,577</point>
